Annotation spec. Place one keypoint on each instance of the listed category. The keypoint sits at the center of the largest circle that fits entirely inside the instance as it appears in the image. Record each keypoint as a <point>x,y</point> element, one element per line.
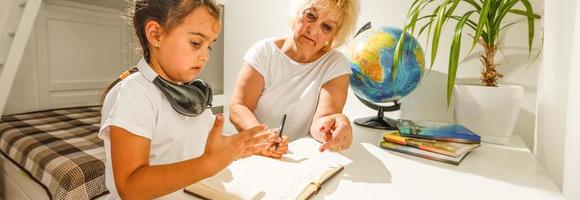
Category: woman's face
<point>314,28</point>
<point>184,51</point>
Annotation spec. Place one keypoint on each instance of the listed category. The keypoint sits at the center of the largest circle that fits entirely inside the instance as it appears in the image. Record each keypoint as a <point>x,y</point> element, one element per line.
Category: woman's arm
<point>247,91</point>
<point>136,179</point>
<point>244,100</point>
<point>329,125</point>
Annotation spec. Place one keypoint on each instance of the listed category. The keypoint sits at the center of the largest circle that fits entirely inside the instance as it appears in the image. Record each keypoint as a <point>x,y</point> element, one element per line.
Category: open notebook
<point>297,175</point>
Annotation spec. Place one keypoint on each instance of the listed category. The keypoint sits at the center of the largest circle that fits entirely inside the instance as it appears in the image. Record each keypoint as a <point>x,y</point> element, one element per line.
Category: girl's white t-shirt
<point>138,106</point>
<point>290,87</point>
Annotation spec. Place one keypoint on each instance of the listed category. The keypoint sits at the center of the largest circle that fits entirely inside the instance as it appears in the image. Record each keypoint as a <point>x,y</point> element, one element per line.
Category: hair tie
<point>124,74</point>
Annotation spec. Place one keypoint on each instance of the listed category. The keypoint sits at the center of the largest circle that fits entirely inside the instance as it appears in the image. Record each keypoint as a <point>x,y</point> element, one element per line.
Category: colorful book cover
<point>422,153</point>
<point>437,131</point>
<point>442,147</point>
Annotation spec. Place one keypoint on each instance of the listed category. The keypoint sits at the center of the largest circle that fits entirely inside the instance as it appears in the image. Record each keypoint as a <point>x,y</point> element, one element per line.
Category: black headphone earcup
<point>206,89</point>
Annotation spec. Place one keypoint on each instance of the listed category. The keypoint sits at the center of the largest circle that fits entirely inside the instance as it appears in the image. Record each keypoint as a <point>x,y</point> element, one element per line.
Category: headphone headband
<point>189,99</point>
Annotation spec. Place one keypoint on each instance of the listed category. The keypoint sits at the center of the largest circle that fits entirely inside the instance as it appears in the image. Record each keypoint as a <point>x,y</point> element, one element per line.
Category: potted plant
<point>491,114</point>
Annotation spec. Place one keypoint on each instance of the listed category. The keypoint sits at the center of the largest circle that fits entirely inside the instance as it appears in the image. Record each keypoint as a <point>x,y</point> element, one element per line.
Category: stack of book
<point>448,143</point>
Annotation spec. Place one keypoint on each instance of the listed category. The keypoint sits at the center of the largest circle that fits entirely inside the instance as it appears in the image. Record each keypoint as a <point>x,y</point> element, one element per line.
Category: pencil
<point>281,129</point>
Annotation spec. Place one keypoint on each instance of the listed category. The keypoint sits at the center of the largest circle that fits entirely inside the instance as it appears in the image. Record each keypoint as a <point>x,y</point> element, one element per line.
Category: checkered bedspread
<point>59,149</point>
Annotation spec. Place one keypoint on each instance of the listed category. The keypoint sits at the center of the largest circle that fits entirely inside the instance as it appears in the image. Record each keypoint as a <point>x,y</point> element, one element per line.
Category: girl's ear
<point>153,32</point>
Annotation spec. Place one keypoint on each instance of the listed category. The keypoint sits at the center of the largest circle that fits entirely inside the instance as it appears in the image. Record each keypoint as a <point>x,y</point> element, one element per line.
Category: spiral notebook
<point>297,175</point>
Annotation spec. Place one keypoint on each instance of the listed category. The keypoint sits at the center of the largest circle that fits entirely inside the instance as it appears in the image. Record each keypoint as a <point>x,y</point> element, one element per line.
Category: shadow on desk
<point>364,162</point>
<point>361,169</point>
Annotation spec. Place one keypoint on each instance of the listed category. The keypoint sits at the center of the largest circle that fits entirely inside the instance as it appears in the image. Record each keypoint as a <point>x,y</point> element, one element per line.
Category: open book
<point>297,175</point>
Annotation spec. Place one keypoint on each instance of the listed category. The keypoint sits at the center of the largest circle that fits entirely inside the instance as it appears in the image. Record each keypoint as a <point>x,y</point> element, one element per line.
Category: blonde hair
<point>347,12</point>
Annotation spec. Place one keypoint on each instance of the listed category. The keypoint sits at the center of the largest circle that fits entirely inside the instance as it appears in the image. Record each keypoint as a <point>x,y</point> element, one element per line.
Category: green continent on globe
<point>368,58</point>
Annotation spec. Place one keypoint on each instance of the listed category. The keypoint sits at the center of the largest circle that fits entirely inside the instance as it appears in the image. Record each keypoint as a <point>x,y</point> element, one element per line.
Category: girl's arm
<point>329,125</point>
<point>136,179</point>
<point>247,91</point>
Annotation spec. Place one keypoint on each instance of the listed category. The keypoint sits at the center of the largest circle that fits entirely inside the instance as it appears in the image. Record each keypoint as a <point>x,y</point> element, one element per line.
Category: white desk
<point>490,172</point>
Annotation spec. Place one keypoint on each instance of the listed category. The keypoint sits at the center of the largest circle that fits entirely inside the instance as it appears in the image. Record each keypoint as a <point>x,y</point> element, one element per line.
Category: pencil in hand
<point>280,131</point>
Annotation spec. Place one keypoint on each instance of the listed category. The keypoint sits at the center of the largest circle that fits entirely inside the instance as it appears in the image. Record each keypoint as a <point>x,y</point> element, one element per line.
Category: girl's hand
<point>337,132</point>
<point>272,150</point>
<point>225,149</point>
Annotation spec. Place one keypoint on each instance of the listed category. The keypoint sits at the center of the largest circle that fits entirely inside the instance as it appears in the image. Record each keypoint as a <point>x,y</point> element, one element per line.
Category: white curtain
<point>571,176</point>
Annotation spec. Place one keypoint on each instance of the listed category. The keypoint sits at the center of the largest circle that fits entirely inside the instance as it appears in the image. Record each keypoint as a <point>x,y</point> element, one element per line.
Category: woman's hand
<point>336,131</point>
<point>276,146</point>
<point>225,149</point>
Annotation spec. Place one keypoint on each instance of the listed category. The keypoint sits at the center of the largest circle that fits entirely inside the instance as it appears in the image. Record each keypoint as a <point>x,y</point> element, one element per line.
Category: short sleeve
<point>130,107</point>
<point>256,57</point>
<point>339,66</point>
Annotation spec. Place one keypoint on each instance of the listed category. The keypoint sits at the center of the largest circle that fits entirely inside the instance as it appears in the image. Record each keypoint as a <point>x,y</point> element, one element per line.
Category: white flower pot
<point>490,112</point>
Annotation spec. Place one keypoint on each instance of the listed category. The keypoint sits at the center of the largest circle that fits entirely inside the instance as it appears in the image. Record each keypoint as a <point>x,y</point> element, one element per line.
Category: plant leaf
<point>440,21</point>
<point>524,13</point>
<point>482,22</point>
<point>469,22</point>
<point>495,28</point>
<point>454,55</point>
<point>427,25</point>
<point>508,25</point>
<point>530,12</point>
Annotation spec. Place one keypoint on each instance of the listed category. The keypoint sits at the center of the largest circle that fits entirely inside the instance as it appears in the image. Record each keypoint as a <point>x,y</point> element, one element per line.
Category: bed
<point>57,149</point>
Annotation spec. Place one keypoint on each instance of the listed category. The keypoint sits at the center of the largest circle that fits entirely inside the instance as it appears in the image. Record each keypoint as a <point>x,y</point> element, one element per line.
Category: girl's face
<point>183,52</point>
<point>314,28</point>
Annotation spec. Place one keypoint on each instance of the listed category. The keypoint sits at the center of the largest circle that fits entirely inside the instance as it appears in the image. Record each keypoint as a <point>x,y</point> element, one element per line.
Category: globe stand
<point>379,121</point>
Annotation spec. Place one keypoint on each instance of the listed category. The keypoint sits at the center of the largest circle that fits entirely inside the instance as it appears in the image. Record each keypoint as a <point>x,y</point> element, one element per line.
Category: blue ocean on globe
<point>371,55</point>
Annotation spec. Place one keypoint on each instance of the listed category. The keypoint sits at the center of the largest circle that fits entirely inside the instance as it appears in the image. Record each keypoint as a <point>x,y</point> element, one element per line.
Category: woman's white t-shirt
<point>138,106</point>
<point>291,87</point>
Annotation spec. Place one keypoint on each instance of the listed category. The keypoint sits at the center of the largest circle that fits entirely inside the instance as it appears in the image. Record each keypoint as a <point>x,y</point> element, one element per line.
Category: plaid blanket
<point>59,149</point>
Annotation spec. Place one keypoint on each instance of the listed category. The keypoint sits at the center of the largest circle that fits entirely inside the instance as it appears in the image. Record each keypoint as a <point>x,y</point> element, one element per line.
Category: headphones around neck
<point>190,99</point>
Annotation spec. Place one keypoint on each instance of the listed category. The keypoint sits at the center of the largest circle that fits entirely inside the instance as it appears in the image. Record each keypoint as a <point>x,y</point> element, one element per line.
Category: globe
<point>371,60</point>
<point>371,56</point>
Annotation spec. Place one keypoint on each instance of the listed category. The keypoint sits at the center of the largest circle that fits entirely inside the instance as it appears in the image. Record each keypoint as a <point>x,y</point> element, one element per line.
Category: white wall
<point>554,85</point>
<point>251,20</point>
<point>571,171</point>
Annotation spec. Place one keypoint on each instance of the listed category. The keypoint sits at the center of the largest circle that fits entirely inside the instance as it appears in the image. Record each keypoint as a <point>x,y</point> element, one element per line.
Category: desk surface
<point>489,172</point>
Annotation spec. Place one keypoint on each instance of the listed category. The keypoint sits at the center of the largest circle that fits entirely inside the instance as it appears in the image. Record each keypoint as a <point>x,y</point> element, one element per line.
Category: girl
<point>155,143</point>
<point>301,75</point>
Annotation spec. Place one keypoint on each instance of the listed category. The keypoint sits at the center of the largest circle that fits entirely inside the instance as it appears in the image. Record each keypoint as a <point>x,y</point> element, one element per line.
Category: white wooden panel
<point>59,99</point>
<point>81,49</point>
<point>77,85</point>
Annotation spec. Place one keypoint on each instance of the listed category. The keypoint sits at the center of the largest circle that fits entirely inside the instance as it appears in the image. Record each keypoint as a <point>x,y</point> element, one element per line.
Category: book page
<point>259,177</point>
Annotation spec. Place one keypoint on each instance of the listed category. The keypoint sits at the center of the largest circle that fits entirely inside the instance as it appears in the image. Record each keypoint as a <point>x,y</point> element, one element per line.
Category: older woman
<point>302,76</point>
